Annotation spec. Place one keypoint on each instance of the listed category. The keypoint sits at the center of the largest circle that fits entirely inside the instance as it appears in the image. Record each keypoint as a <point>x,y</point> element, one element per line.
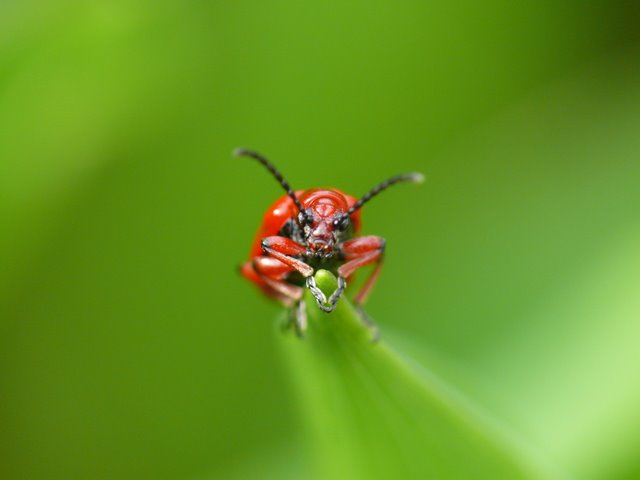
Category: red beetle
<point>310,229</point>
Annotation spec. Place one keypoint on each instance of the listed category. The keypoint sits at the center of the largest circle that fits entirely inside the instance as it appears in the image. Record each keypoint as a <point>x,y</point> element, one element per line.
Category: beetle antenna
<point>244,152</point>
<point>405,177</point>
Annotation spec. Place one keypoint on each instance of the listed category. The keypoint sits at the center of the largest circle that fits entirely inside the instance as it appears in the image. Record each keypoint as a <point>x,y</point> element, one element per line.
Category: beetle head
<point>324,215</point>
<point>323,221</point>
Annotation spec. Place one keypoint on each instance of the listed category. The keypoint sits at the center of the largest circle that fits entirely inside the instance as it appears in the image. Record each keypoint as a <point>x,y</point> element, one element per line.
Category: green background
<point>130,347</point>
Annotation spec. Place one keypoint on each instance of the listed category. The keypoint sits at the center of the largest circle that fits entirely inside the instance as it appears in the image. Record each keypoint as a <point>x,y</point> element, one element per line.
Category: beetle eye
<point>305,217</point>
<point>341,222</point>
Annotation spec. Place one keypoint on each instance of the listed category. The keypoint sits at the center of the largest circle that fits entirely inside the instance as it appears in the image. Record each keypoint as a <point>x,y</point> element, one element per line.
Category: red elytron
<point>307,230</point>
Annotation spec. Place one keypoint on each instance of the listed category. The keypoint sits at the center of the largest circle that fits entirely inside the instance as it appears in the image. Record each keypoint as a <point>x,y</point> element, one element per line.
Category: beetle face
<point>317,232</point>
<point>320,238</point>
<point>323,232</point>
<point>323,222</point>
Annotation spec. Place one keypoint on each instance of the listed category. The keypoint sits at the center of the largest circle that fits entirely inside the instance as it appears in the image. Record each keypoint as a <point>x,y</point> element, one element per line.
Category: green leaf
<point>373,414</point>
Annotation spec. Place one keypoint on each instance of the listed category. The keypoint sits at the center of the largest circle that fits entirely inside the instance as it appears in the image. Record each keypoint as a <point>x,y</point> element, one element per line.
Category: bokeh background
<point>130,347</point>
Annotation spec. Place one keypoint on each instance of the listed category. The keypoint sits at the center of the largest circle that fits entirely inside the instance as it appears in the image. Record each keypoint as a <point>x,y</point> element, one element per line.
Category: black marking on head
<point>341,222</point>
<point>305,217</point>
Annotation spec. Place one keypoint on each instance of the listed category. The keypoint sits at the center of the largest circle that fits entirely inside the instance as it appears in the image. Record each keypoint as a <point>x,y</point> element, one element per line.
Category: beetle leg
<point>370,324</point>
<point>297,319</point>
<point>333,299</point>
<point>342,284</point>
<point>268,286</point>
<point>300,318</point>
<point>272,272</point>
<point>315,291</point>
<point>285,250</point>
<point>360,252</point>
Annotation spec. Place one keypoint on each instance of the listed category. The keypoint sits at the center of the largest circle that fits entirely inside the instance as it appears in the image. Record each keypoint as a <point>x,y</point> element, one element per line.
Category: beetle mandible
<point>305,230</point>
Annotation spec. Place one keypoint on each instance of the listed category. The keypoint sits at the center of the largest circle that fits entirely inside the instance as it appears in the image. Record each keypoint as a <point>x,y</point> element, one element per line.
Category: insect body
<point>307,230</point>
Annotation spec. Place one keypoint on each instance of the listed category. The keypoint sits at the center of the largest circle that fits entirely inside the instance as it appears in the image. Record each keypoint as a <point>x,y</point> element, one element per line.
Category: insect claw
<point>325,305</point>
<point>327,308</point>
<point>315,291</point>
<point>335,296</point>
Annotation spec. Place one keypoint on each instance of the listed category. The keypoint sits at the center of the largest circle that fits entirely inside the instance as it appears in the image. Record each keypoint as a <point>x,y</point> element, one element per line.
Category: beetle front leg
<point>333,299</point>
<point>297,319</point>
<point>360,252</point>
<point>273,273</point>
<point>301,317</point>
<point>285,250</point>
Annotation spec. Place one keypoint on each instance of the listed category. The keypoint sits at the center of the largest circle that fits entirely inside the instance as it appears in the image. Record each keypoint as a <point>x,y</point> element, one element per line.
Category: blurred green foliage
<point>129,346</point>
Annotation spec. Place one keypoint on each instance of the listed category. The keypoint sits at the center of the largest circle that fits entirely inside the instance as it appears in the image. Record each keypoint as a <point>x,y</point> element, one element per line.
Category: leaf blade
<point>372,414</point>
